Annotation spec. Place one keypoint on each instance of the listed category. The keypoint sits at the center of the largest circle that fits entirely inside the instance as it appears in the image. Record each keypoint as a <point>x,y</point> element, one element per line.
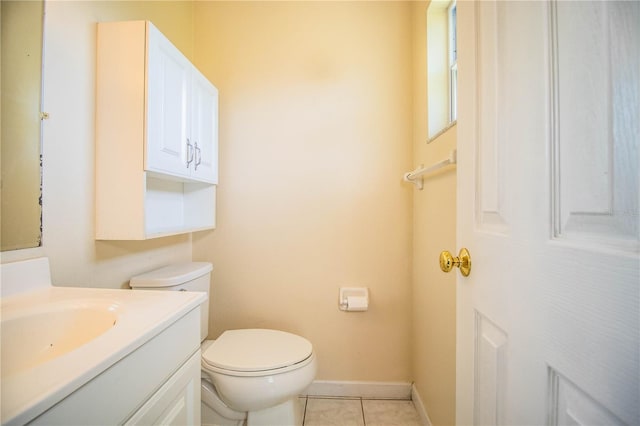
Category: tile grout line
<point>374,419</point>
<point>304,412</point>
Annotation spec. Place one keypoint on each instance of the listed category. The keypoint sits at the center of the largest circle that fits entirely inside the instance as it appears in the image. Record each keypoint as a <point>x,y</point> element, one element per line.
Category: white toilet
<point>249,376</point>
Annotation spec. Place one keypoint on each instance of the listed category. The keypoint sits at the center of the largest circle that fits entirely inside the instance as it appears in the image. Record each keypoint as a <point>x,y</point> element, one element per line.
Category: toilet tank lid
<point>171,275</point>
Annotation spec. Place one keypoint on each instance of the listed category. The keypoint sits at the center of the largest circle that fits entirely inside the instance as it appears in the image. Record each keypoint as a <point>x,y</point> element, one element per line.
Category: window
<point>453,64</point>
<point>442,66</point>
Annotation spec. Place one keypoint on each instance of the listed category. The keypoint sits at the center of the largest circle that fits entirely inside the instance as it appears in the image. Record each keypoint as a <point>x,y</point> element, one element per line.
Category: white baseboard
<point>417,402</point>
<point>372,390</point>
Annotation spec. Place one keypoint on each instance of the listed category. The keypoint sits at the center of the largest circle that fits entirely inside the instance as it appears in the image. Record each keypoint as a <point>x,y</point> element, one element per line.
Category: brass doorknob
<point>462,261</point>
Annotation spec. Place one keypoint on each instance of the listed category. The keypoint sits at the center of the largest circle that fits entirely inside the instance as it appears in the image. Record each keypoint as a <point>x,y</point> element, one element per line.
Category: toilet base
<point>213,412</point>
<point>209,417</point>
<point>288,413</point>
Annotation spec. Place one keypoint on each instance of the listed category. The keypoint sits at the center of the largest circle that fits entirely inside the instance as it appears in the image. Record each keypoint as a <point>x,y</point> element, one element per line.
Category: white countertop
<point>141,315</point>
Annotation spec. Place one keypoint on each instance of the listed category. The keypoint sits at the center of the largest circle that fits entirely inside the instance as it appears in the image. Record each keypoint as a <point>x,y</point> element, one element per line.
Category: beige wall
<point>68,146</point>
<point>434,230</point>
<point>315,134</point>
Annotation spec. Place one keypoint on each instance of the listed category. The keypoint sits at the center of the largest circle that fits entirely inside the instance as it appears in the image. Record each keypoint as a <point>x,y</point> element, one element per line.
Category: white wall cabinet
<point>182,114</point>
<point>156,137</point>
<point>204,127</point>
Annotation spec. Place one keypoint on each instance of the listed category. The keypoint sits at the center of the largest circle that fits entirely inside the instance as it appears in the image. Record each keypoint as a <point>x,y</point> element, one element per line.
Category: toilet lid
<point>256,350</point>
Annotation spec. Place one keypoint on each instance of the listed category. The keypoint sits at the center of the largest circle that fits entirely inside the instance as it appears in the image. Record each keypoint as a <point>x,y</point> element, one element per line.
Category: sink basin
<point>40,336</point>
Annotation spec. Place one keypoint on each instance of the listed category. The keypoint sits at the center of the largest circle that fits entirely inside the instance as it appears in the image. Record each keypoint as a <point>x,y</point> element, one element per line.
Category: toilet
<point>249,376</point>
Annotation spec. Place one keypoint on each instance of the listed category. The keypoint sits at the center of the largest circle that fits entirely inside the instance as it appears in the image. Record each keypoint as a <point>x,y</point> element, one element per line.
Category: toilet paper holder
<point>353,299</point>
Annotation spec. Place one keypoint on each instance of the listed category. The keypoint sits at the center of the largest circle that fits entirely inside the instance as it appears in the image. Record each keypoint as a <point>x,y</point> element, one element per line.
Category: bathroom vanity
<point>78,356</point>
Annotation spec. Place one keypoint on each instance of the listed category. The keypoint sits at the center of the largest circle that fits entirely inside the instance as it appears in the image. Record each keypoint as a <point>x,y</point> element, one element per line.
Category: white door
<point>204,128</point>
<point>168,149</point>
<point>548,191</point>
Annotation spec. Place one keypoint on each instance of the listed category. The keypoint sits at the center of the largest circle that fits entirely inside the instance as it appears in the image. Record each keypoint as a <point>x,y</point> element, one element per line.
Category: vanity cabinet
<point>177,402</point>
<point>158,383</point>
<point>156,136</point>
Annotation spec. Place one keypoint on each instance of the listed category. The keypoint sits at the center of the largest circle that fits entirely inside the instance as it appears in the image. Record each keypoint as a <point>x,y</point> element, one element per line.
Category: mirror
<point>20,139</point>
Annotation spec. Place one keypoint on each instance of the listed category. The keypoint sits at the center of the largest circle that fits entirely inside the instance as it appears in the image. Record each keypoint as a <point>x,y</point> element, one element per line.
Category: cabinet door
<point>204,128</point>
<point>177,402</point>
<point>167,148</point>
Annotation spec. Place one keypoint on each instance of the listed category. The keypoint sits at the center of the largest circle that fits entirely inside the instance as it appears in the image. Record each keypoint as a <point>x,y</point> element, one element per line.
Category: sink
<point>49,332</point>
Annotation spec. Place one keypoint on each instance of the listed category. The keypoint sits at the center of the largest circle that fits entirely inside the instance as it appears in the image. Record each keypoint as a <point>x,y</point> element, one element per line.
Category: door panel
<point>491,211</point>
<point>569,405</point>
<point>204,128</point>
<point>548,189</point>
<point>595,189</point>
<point>491,372</point>
<point>168,76</point>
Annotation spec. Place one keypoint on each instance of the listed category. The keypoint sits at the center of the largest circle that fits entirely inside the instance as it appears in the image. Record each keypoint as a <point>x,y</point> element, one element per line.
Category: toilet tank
<point>187,276</point>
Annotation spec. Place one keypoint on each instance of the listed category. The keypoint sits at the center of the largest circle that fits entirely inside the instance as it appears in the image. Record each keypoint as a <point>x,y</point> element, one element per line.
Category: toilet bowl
<point>255,369</point>
<point>249,376</point>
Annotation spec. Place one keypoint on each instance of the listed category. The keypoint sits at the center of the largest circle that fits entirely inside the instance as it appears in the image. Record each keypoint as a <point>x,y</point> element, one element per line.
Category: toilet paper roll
<point>357,303</point>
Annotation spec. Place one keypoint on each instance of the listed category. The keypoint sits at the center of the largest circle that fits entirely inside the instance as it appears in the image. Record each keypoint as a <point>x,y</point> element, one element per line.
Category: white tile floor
<point>319,411</point>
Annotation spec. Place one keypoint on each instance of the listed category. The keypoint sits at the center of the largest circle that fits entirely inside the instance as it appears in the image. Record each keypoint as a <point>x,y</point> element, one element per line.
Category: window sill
<point>441,132</point>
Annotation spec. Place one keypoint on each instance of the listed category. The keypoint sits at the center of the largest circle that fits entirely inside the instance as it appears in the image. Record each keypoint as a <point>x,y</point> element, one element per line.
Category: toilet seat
<point>256,352</point>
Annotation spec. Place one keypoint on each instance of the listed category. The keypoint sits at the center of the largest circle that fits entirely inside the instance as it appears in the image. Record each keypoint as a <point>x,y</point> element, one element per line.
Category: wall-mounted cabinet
<point>156,137</point>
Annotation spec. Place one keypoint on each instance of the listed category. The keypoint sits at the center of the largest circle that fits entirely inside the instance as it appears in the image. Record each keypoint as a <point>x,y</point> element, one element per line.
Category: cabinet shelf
<point>174,207</point>
<point>154,207</point>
